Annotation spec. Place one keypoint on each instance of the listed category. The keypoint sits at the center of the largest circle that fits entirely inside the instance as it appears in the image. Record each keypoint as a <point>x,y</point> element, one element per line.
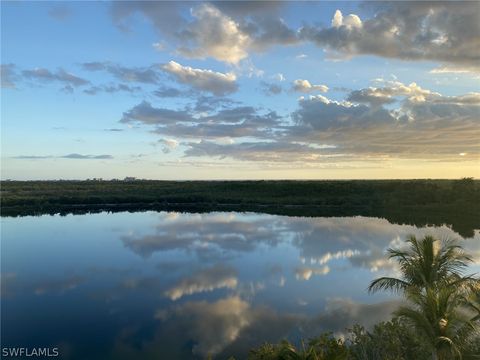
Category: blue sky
<point>240,90</point>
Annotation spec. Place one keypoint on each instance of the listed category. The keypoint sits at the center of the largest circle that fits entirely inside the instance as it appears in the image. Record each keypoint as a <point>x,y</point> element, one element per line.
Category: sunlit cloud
<point>206,80</point>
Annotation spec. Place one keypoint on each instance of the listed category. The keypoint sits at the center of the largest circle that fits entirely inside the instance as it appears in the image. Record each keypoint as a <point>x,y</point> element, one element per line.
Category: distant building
<point>129,178</point>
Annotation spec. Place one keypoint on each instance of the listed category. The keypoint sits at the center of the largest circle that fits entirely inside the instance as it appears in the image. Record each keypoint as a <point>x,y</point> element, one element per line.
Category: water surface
<point>173,286</point>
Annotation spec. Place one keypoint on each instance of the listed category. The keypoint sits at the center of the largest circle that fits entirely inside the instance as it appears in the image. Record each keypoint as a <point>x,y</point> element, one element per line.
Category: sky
<point>240,90</point>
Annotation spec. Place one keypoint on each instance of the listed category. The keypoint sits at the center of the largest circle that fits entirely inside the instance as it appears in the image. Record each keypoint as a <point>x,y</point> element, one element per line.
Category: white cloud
<point>440,31</point>
<point>418,124</point>
<point>206,80</point>
<point>337,19</point>
<point>386,94</point>
<point>425,125</point>
<point>350,21</point>
<point>305,86</point>
<point>215,35</point>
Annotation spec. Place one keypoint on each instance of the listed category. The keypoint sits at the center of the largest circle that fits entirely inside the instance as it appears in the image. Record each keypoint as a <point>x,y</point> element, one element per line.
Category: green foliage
<point>391,340</point>
<point>324,347</point>
<point>439,296</point>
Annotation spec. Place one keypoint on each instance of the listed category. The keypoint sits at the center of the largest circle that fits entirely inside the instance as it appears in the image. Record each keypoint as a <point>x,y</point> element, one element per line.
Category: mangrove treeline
<point>417,202</point>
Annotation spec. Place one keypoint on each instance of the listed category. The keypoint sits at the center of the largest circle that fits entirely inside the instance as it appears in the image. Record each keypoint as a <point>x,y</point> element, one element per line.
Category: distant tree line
<point>418,202</point>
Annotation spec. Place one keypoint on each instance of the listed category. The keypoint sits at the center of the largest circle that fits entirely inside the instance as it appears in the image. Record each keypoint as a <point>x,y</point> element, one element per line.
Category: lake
<point>169,285</point>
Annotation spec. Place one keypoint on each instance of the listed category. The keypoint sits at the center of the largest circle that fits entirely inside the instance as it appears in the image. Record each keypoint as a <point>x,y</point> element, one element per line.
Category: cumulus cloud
<point>370,96</point>
<point>322,114</point>
<point>213,34</point>
<point>205,80</point>
<point>385,95</point>
<point>225,31</point>
<point>305,86</point>
<point>350,21</point>
<point>390,120</point>
<point>425,124</point>
<point>436,31</point>
<point>444,32</point>
<point>216,277</point>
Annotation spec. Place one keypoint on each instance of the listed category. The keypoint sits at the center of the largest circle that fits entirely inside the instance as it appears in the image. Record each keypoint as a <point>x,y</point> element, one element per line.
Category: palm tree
<point>434,284</point>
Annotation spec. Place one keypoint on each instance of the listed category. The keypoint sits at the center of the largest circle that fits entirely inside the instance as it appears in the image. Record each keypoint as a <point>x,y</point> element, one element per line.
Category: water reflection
<point>209,279</point>
<point>169,285</point>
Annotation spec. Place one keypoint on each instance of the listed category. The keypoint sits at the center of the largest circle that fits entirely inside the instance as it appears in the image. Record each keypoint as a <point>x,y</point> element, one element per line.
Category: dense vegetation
<point>441,320</point>
<point>419,202</point>
<point>391,340</point>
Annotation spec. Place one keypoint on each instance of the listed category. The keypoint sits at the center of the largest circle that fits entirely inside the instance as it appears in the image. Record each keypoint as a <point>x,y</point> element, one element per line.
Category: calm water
<point>170,285</point>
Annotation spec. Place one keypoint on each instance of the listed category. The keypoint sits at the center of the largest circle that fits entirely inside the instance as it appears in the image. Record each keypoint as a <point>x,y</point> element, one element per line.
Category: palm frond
<point>387,283</point>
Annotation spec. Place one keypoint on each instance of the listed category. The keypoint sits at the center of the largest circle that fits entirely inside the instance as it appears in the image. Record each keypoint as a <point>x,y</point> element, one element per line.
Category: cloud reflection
<point>211,325</point>
<point>361,241</point>
<point>209,279</point>
<point>206,235</point>
<point>305,273</point>
<point>342,313</point>
<point>232,325</point>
